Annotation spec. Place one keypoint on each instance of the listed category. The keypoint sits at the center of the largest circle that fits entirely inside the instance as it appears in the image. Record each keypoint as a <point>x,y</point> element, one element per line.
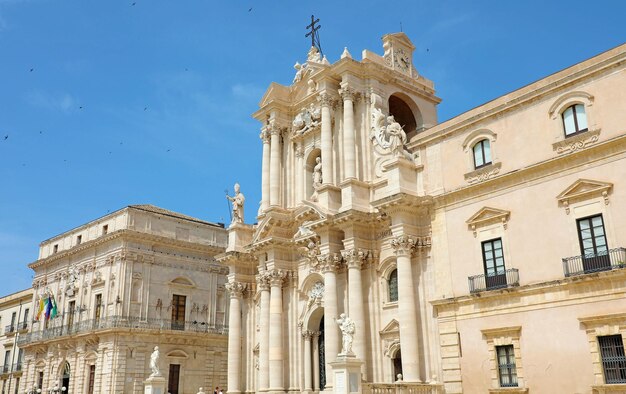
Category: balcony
<point>508,278</point>
<point>402,388</point>
<point>10,329</point>
<point>22,326</point>
<point>17,368</point>
<point>115,322</point>
<point>5,369</point>
<point>595,262</point>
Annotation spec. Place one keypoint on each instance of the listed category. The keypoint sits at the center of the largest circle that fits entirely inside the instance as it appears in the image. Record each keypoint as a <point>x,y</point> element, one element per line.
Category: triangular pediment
<point>401,38</point>
<point>488,215</point>
<point>275,92</point>
<point>392,328</point>
<point>585,188</point>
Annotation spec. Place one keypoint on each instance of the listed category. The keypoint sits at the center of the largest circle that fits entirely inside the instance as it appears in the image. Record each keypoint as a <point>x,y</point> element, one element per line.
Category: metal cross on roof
<point>315,36</point>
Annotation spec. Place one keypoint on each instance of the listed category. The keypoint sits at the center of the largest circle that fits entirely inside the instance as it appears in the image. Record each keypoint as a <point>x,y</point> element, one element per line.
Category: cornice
<point>126,234</point>
<point>403,202</point>
<point>534,91</point>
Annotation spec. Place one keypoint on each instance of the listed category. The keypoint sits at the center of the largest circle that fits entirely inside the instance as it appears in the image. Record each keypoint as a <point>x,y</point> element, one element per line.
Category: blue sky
<point>109,103</point>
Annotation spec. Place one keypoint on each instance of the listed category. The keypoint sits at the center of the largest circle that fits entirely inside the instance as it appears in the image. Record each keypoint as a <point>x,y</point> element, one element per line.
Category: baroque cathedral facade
<point>481,254</point>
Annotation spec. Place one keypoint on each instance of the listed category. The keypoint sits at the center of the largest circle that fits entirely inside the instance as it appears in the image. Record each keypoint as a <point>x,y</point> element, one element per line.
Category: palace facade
<point>481,254</point>
<point>15,316</point>
<point>134,279</point>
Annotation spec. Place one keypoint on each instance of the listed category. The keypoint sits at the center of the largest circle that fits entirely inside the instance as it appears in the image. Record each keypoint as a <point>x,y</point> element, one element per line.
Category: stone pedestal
<point>401,176</point>
<point>329,197</point>
<point>347,374</point>
<point>239,235</point>
<point>354,195</point>
<point>154,385</point>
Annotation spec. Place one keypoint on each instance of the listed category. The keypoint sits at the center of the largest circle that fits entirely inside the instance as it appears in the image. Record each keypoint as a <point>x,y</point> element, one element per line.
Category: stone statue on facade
<point>389,134</point>
<point>306,120</point>
<point>347,327</point>
<point>154,362</point>
<point>301,69</point>
<point>201,391</point>
<point>317,177</point>
<point>238,200</point>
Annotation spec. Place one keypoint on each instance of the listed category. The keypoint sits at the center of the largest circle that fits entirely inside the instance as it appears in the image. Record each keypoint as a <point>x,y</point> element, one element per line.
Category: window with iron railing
<point>506,366</point>
<point>613,358</point>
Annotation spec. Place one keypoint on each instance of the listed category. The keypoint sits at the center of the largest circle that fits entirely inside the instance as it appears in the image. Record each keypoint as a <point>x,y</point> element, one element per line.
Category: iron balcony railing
<point>17,367</point>
<point>133,323</point>
<point>21,326</point>
<point>594,262</point>
<point>498,280</point>
<point>5,369</point>
<point>10,329</point>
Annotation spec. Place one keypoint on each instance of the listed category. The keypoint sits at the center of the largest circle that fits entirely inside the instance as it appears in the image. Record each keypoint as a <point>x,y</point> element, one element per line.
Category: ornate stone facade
<point>446,243</point>
<point>134,279</point>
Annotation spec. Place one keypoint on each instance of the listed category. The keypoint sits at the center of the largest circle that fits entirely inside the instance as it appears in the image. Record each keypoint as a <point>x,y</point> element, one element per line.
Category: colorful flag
<point>40,307</point>
<point>53,312</point>
<point>48,308</point>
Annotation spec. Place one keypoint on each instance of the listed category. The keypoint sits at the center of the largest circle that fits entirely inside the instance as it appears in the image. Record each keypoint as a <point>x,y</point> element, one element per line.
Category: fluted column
<point>234,336</point>
<point>329,264</point>
<point>264,332</point>
<point>354,259</point>
<point>349,148</point>
<point>326,139</point>
<point>276,278</point>
<point>265,172</point>
<point>316,361</point>
<point>299,174</point>
<point>407,313</point>
<point>308,371</point>
<point>275,166</point>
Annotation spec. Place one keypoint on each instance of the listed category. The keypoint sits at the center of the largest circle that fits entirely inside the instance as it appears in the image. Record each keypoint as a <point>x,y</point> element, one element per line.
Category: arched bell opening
<point>406,113</point>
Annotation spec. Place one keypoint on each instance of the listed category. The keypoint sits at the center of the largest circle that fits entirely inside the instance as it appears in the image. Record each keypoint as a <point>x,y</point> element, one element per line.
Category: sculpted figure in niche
<point>389,134</point>
<point>154,362</point>
<point>317,177</point>
<point>346,325</point>
<point>395,135</point>
<point>238,200</point>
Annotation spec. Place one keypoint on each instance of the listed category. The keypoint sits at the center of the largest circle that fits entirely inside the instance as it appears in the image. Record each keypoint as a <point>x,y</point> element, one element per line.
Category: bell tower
<point>399,53</point>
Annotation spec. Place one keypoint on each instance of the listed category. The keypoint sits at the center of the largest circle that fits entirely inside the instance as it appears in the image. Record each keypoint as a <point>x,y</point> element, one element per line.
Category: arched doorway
<point>397,364</point>
<point>322,357</point>
<point>65,378</point>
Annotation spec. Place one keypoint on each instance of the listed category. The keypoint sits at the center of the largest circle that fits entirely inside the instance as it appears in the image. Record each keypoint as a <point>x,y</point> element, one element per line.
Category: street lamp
<point>56,389</point>
<point>34,390</point>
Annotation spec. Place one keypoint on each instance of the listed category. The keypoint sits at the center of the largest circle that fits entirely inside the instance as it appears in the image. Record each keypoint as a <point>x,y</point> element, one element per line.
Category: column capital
<point>403,245</point>
<point>329,262</point>
<point>354,257</point>
<point>299,151</point>
<point>276,277</point>
<point>326,99</point>
<point>307,334</point>
<point>347,93</point>
<point>265,135</point>
<point>236,289</point>
<point>262,281</point>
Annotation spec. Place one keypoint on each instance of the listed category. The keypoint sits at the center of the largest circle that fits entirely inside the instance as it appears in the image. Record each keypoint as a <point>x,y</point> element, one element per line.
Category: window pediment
<point>392,329</point>
<point>180,281</point>
<point>488,215</point>
<point>584,189</point>
<point>179,354</point>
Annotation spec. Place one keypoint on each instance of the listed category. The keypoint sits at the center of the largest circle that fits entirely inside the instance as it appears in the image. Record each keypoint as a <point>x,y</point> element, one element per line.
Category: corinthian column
<point>299,174</point>
<point>308,371</point>
<point>354,258</point>
<point>234,336</point>
<point>276,278</point>
<point>265,173</point>
<point>329,264</point>
<point>407,314</point>
<point>275,166</point>
<point>349,148</point>
<point>327,139</point>
<point>264,334</point>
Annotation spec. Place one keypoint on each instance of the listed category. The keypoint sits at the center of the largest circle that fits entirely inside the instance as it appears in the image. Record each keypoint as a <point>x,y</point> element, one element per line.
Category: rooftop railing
<point>594,262</point>
<point>499,280</point>
<point>112,322</point>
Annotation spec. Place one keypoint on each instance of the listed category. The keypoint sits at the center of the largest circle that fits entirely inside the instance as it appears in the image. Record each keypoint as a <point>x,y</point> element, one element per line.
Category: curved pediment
<point>182,281</point>
<point>177,353</point>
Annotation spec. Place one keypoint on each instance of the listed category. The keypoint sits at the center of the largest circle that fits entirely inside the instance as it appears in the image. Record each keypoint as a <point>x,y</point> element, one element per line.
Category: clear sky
<point>109,103</point>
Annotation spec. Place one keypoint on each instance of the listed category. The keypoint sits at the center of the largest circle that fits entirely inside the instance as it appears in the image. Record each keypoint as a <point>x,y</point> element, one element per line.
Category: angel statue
<point>389,134</point>
<point>238,200</point>
<point>347,327</point>
<point>301,69</point>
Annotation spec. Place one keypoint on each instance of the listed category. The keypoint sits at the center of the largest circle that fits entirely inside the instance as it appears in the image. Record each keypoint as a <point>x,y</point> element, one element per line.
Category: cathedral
<point>481,254</point>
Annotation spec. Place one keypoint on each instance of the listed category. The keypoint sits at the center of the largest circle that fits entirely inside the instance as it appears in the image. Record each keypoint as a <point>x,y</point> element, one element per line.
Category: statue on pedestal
<point>238,200</point>
<point>154,362</point>
<point>317,177</point>
<point>347,327</point>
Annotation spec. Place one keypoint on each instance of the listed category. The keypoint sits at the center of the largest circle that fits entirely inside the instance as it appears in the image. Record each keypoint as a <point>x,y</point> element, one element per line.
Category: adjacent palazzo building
<point>481,254</point>
<point>15,314</point>
<point>134,279</point>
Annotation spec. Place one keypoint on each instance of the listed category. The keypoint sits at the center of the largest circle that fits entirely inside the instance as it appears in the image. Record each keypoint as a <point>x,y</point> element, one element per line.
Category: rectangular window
<point>493,260</point>
<point>79,239</point>
<point>40,380</point>
<point>92,379</point>
<point>178,312</point>
<point>55,248</point>
<point>613,358</point>
<point>173,379</point>
<point>506,366</point>
<point>70,314</point>
<point>17,385</point>
<point>7,361</point>
<point>98,307</point>
<point>593,245</point>
<point>13,320</point>
<point>25,321</point>
<point>105,229</point>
